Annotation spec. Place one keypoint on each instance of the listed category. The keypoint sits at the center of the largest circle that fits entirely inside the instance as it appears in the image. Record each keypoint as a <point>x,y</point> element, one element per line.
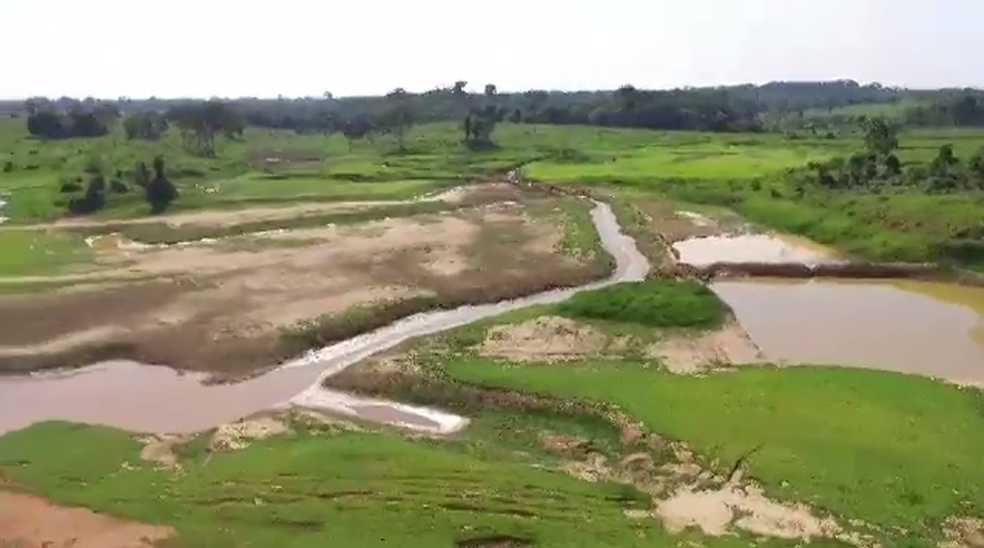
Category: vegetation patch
<point>660,302</point>
<point>330,490</point>
<point>862,444</point>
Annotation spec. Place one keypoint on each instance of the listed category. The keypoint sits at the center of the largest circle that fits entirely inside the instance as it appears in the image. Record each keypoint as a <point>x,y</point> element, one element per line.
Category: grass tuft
<point>654,303</point>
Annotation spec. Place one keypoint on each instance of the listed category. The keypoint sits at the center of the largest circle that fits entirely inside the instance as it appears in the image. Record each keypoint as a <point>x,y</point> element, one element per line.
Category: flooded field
<point>914,327</point>
<point>753,248</point>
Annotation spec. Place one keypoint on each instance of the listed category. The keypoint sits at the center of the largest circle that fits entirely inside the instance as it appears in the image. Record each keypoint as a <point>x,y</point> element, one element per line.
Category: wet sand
<point>753,248</point>
<point>913,327</point>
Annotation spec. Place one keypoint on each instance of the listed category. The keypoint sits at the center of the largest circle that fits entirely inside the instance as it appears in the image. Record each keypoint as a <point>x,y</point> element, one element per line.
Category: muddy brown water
<point>147,398</point>
<point>753,248</point>
<point>930,329</point>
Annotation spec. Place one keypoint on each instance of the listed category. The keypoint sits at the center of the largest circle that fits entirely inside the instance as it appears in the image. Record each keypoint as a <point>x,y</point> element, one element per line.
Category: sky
<point>259,48</point>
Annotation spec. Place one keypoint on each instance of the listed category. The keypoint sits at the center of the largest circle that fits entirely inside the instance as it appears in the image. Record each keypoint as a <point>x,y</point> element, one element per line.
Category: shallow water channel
<point>158,399</point>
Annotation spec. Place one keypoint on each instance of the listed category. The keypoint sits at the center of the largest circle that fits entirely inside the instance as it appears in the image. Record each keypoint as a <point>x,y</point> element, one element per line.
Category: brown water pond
<point>913,327</point>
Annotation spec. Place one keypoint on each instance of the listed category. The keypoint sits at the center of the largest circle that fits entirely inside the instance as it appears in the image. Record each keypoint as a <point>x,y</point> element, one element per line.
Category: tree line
<point>876,167</point>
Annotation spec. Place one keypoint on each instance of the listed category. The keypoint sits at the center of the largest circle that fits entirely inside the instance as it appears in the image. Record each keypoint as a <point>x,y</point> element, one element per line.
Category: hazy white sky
<point>108,48</point>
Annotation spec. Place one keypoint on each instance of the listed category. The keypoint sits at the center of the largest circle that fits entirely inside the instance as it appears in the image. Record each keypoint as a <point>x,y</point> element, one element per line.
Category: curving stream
<point>149,398</point>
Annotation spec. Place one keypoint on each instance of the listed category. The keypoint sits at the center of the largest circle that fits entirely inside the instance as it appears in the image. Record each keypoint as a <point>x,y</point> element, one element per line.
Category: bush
<point>118,186</point>
<point>654,303</point>
<point>160,191</point>
<point>8,166</point>
<point>94,198</point>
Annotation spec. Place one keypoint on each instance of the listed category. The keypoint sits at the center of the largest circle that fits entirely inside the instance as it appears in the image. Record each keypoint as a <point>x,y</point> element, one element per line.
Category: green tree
<point>200,122</point>
<point>490,91</point>
<point>160,192</point>
<point>148,126</point>
<point>880,136</point>
<point>399,116</point>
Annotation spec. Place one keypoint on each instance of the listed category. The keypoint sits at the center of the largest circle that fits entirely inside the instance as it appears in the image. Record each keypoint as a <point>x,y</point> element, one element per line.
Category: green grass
<point>340,489</point>
<point>653,303</point>
<point>895,451</point>
<point>24,253</point>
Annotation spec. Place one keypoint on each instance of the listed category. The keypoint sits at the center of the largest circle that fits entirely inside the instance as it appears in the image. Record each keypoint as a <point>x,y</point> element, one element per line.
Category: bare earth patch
<point>159,449</point>
<point>963,532</point>
<point>238,435</point>
<point>717,512</point>
<point>224,308</point>
<point>27,521</point>
<point>729,345</point>
<point>547,338</point>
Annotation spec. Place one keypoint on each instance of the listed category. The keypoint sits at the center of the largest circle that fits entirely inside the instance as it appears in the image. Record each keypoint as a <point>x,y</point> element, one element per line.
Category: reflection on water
<point>753,248</point>
<point>914,327</point>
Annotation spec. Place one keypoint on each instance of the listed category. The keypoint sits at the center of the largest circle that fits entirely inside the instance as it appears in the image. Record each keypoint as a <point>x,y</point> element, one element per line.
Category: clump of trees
<point>877,167</point>
<point>50,124</point>
<point>159,191</point>
<point>148,126</point>
<point>200,122</point>
<point>398,117</point>
<point>963,110</point>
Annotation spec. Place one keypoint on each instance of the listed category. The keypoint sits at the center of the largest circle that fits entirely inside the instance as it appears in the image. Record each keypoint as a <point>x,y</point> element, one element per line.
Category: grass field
<point>862,444</point>
<point>745,172</point>
<point>318,488</point>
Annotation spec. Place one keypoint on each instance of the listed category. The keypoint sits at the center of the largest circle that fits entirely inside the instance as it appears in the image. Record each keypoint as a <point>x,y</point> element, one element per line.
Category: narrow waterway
<point>148,398</point>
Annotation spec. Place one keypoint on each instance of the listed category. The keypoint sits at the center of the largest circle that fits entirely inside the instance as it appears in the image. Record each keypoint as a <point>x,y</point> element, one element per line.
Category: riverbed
<point>147,398</point>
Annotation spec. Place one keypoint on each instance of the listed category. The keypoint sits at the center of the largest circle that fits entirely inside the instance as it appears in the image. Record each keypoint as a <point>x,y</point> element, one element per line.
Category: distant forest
<point>777,106</point>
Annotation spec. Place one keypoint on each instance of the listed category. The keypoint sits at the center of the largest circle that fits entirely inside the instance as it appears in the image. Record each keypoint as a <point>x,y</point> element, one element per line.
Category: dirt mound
<point>159,449</point>
<point>963,532</point>
<point>31,522</point>
<point>716,512</point>
<point>548,338</point>
<point>238,435</point>
<point>730,345</point>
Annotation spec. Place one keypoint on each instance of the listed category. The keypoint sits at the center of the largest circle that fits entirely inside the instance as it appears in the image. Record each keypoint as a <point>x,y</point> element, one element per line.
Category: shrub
<point>654,303</point>
<point>8,166</point>
<point>160,191</point>
<point>118,186</point>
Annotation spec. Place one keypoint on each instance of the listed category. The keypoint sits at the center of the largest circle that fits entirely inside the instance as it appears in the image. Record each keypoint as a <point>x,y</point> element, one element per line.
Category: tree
<point>148,126</point>
<point>399,117</point>
<point>160,191</point>
<point>355,128</point>
<point>628,97</point>
<point>480,124</point>
<point>47,124</point>
<point>459,88</point>
<point>490,91</point>
<point>200,122</point>
<point>141,175</point>
<point>94,198</point>
<point>880,136</point>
